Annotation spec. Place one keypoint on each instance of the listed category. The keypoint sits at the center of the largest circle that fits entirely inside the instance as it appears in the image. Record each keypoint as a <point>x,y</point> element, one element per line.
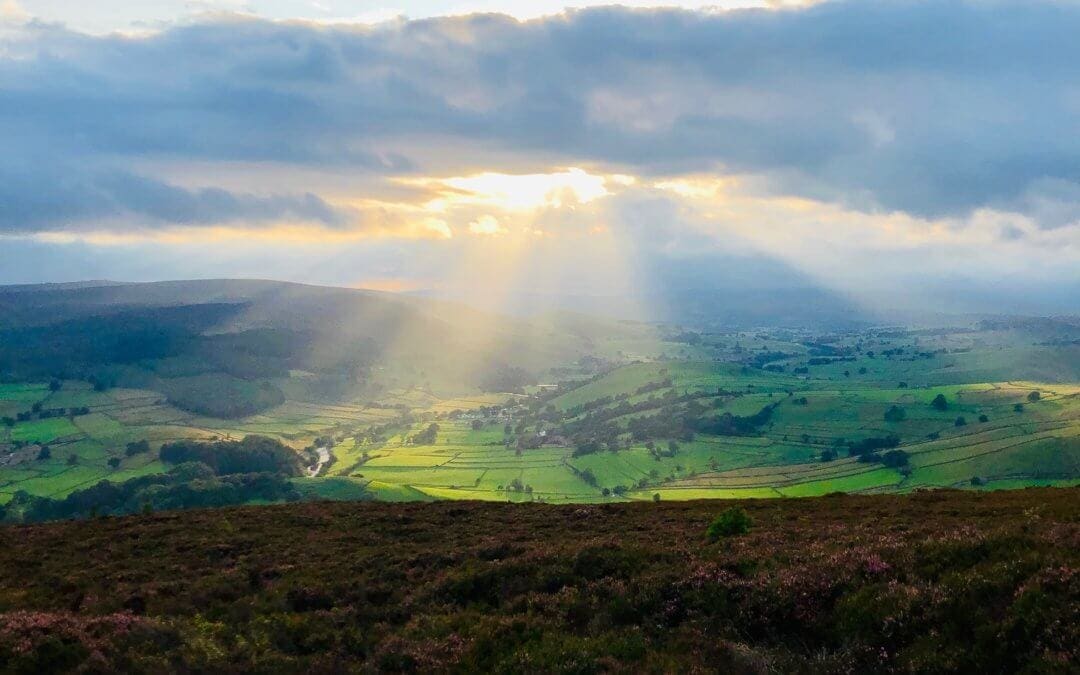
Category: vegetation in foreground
<point>943,581</point>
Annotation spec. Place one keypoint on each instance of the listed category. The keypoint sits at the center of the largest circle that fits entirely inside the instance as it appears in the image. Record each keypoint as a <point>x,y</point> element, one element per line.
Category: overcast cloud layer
<point>931,110</point>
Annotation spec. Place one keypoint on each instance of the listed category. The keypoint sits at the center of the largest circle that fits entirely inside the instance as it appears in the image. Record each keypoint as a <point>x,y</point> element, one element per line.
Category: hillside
<point>931,582</point>
<point>338,341</point>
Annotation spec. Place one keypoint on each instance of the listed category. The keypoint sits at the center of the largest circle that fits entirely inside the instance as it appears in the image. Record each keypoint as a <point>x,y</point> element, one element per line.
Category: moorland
<point>942,581</point>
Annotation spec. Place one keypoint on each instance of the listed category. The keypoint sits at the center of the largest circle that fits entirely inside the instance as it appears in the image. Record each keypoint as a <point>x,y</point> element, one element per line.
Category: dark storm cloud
<point>933,108</point>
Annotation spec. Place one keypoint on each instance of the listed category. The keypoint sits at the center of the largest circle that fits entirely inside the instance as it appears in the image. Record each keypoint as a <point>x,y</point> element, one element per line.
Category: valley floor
<point>943,581</point>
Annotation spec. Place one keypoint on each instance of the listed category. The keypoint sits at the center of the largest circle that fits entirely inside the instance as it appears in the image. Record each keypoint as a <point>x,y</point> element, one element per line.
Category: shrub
<point>960,421</point>
<point>939,402</point>
<point>984,419</point>
<point>730,523</point>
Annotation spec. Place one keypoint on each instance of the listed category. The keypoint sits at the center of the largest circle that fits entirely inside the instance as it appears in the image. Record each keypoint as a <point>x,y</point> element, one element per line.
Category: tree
<point>477,425</point>
<point>1019,407</point>
<point>656,496</point>
<point>984,419</point>
<point>114,462</point>
<point>895,459</point>
<point>1034,396</point>
<point>44,452</point>
<point>55,385</point>
<point>960,421</point>
<point>137,448</point>
<point>895,414</point>
<point>939,402</point>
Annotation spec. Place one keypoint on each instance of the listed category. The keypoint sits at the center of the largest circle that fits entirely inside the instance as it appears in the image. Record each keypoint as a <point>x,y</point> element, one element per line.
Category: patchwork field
<point>986,434</point>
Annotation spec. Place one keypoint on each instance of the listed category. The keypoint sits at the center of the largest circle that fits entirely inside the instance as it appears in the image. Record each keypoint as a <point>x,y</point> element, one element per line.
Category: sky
<point>894,152</point>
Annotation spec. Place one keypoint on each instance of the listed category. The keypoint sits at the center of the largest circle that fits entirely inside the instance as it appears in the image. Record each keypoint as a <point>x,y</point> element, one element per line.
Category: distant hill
<point>173,336</point>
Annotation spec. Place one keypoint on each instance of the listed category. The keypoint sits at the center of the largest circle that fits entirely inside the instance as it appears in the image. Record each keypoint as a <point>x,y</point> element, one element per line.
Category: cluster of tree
<point>665,383</point>
<point>188,485</point>
<point>137,448</point>
<point>873,444</point>
<point>37,412</point>
<point>675,421</point>
<point>517,486</point>
<point>380,432</point>
<point>893,458</point>
<point>657,452</point>
<point>735,425</point>
<point>427,436</point>
<point>253,454</point>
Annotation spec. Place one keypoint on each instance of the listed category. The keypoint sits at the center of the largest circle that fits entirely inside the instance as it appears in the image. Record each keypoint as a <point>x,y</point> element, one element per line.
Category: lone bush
<point>730,523</point>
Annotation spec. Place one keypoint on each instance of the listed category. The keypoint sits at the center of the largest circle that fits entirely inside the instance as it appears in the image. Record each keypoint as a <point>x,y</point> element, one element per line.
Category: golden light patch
<point>486,225</point>
<point>519,192</point>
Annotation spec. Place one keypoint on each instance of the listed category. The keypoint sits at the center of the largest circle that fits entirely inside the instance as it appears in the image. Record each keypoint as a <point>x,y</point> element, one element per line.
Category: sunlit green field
<point>1005,439</point>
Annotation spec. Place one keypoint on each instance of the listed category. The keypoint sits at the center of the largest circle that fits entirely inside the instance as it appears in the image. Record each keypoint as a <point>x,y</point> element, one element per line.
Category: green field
<point>1006,440</point>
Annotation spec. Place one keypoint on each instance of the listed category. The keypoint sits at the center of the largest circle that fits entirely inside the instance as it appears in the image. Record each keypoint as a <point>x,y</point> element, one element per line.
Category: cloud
<point>935,109</point>
<point>52,197</point>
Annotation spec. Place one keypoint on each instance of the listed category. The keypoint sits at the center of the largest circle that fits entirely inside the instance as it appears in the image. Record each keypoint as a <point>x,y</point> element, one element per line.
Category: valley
<point>590,412</point>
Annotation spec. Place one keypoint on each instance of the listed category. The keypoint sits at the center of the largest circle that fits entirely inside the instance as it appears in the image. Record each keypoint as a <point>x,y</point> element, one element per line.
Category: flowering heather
<point>943,581</point>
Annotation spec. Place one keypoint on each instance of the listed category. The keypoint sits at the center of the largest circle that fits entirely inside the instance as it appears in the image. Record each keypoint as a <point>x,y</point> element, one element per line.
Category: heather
<point>942,581</point>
